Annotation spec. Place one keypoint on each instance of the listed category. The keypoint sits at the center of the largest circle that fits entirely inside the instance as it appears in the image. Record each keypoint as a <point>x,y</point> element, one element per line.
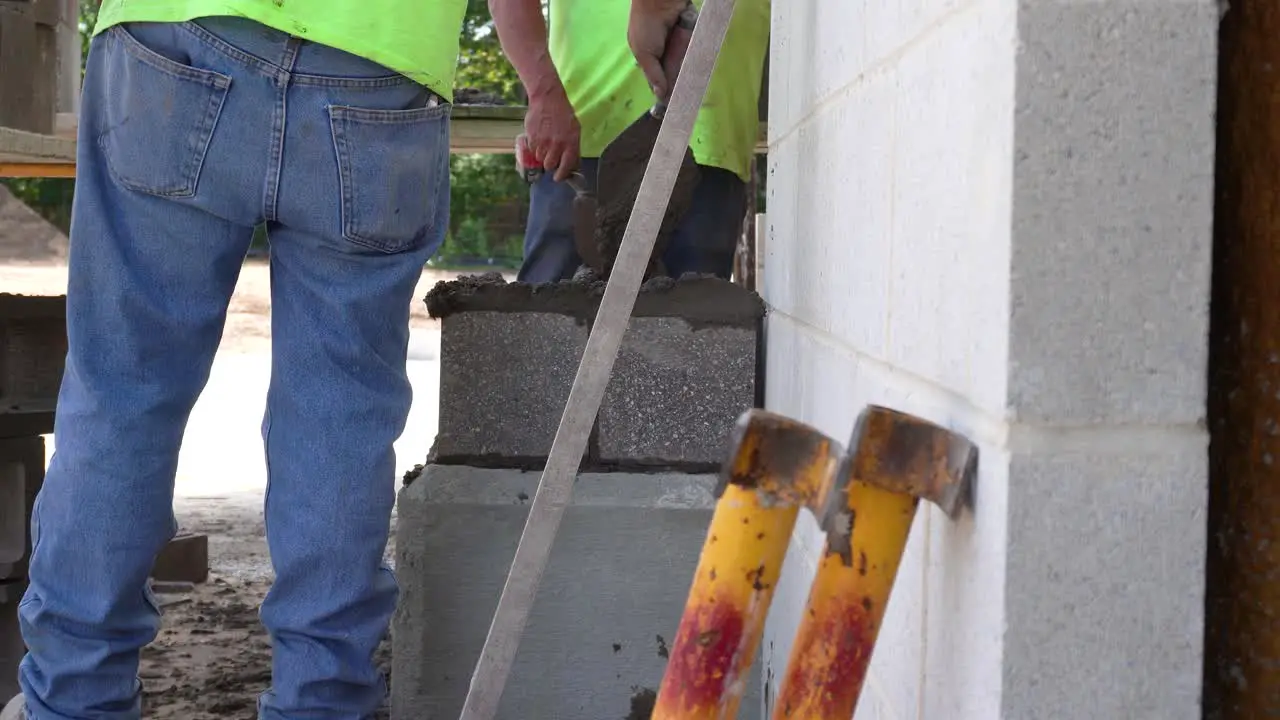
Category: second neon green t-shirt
<point>588,42</point>
<point>418,39</point>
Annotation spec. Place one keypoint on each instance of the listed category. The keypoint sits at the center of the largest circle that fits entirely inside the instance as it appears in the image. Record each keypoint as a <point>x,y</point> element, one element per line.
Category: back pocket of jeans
<point>159,117</point>
<point>392,165</point>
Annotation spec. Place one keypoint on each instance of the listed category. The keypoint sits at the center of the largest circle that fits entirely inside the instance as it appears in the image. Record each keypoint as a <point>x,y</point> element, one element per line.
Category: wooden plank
<point>481,129</point>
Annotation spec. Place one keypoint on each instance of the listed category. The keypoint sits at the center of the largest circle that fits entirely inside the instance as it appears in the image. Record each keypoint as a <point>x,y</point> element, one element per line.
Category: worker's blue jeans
<point>704,242</point>
<point>189,136</point>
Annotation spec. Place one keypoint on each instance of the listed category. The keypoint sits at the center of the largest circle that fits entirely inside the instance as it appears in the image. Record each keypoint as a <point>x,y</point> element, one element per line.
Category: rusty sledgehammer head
<point>903,453</point>
<point>783,461</point>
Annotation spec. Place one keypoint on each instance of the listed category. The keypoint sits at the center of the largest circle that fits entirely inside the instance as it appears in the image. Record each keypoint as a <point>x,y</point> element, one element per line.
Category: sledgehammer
<point>894,461</point>
<point>865,498</point>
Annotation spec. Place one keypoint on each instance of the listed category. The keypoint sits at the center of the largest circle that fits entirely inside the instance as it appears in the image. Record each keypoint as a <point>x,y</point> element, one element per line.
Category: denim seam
<point>217,44</point>
<point>275,160</point>
<point>144,54</point>
<point>274,71</point>
<point>275,164</point>
<point>371,116</point>
<point>193,165</point>
<point>337,125</point>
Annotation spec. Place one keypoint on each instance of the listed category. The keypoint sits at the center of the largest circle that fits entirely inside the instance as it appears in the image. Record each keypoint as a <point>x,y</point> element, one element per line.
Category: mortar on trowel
<point>601,214</point>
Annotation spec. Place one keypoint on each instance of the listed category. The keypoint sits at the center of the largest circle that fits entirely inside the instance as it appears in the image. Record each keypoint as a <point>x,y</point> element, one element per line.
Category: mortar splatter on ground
<point>213,657</point>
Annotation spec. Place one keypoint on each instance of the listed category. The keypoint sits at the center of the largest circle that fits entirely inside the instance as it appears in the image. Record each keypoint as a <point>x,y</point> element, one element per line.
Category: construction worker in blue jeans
<point>329,121</point>
<point>585,88</point>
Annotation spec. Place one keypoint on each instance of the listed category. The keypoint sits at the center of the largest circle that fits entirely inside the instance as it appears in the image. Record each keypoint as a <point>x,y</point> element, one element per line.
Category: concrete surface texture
<point>510,352</point>
<point>675,393</point>
<point>608,606</point>
<point>21,475</point>
<point>996,214</point>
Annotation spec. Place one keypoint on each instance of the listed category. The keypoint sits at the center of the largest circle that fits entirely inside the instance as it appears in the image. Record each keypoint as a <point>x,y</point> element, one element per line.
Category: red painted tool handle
<point>526,164</point>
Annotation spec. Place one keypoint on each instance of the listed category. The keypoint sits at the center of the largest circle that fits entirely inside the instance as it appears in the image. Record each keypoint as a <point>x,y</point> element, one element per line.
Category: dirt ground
<point>212,658</point>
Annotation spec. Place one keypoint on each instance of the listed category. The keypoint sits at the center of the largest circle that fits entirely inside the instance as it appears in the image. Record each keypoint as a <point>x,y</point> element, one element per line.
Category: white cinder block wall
<point>997,214</point>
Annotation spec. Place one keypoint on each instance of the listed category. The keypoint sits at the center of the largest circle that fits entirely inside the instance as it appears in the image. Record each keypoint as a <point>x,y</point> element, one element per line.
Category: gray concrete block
<point>33,349</point>
<point>1104,586</point>
<point>609,602</point>
<point>11,644</point>
<point>504,381</point>
<point>21,475</point>
<point>1112,211</point>
<point>676,390</point>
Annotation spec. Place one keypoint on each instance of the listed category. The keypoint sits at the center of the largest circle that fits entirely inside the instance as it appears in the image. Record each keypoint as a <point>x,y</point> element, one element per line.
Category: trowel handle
<point>673,56</point>
<point>526,164</point>
<point>529,169</point>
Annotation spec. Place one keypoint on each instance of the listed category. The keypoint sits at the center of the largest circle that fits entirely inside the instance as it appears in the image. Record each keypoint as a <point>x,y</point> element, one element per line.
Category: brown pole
<point>1242,628</point>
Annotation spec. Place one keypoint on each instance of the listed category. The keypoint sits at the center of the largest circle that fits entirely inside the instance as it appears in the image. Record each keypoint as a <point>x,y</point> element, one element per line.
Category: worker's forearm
<point>523,33</point>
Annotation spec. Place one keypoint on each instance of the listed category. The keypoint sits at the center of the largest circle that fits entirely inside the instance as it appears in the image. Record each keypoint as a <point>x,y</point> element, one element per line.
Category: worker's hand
<point>652,34</point>
<point>553,132</point>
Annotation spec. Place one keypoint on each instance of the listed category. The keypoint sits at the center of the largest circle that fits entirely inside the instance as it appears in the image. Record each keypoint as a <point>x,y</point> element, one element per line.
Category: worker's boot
<point>13,709</point>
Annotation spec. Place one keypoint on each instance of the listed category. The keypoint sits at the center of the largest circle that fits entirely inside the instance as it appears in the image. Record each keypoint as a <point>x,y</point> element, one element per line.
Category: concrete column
<point>997,214</point>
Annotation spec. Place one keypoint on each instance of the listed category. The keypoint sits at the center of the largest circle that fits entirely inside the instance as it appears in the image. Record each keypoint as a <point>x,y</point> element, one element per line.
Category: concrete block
<point>22,463</point>
<point>608,606</point>
<point>850,146</point>
<point>948,286</point>
<point>12,647</point>
<point>1105,583</point>
<point>504,381</point>
<point>1112,214</point>
<point>184,559</point>
<point>676,391</point>
<point>510,352</point>
<point>33,348</point>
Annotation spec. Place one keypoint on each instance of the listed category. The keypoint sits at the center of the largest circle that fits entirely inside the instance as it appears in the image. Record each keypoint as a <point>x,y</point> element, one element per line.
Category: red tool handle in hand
<point>530,169</point>
<point>526,164</point>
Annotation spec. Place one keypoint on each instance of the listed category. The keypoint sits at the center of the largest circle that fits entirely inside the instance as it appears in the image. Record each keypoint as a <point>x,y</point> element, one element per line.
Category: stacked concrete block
<point>608,606</point>
<point>509,353</point>
<point>21,474</point>
<point>33,349</point>
<point>676,391</point>
<point>613,593</point>
<point>507,374</point>
<point>998,215</point>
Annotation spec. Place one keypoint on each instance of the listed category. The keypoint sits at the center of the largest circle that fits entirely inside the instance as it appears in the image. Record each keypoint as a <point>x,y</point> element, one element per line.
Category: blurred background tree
<point>489,200</point>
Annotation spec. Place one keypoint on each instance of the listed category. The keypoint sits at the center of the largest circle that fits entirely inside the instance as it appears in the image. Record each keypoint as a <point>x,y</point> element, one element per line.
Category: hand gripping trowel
<point>584,204</point>
<point>556,486</point>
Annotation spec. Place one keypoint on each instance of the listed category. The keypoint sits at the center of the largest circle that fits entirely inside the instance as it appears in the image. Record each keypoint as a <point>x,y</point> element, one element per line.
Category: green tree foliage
<point>481,64</point>
<point>483,185</point>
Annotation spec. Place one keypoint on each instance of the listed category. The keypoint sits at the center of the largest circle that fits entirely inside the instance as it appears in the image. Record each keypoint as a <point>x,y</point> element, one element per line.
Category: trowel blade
<point>622,167</point>
<point>584,231</point>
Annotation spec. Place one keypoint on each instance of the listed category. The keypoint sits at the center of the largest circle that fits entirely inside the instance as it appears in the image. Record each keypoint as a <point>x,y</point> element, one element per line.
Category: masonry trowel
<point>584,205</point>
<point>623,164</point>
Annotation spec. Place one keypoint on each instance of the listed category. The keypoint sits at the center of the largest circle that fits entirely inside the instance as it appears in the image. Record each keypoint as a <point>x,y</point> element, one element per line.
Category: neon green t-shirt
<point>588,42</point>
<point>418,39</point>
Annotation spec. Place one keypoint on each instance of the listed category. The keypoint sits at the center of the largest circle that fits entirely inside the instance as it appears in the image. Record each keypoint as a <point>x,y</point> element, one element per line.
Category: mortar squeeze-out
<point>700,300</point>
